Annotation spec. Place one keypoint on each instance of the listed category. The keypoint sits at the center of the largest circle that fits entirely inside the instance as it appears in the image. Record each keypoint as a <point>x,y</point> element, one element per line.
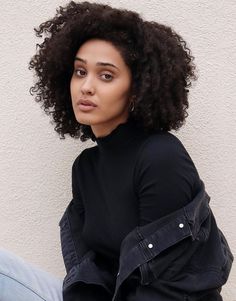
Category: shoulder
<point>84,156</point>
<point>162,146</point>
<point>164,161</point>
<point>163,153</point>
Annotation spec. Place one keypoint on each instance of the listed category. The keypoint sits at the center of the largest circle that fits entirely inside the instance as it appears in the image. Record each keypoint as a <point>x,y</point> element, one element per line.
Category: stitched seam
<point>27,287</point>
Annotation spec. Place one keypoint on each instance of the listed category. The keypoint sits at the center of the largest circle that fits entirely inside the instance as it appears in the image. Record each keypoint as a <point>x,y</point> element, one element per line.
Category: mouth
<point>86,102</point>
<point>86,107</point>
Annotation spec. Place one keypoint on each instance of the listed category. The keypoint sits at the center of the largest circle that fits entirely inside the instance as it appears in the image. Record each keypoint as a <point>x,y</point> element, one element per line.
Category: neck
<point>122,136</point>
<point>104,129</point>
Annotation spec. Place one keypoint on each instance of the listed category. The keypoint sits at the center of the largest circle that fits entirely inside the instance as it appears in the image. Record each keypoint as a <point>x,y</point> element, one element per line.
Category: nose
<point>87,86</point>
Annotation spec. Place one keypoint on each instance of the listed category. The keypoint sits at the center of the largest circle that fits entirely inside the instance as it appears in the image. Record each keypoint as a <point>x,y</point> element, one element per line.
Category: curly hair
<point>161,65</point>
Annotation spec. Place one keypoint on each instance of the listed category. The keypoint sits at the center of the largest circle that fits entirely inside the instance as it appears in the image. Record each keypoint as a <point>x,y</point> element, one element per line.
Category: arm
<point>166,178</point>
<point>71,227</point>
<point>84,279</point>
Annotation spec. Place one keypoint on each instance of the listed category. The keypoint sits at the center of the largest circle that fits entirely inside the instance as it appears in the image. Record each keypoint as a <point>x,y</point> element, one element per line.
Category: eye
<point>80,72</point>
<point>107,77</point>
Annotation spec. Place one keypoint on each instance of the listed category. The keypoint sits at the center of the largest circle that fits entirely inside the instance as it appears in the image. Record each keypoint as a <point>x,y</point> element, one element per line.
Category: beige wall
<point>36,165</point>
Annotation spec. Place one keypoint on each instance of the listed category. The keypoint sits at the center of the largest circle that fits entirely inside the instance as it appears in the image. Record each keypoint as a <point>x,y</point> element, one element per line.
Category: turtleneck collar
<point>119,137</point>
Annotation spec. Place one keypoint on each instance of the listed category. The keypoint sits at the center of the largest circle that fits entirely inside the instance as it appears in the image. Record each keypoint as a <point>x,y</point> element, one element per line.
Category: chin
<point>85,121</point>
<point>90,120</point>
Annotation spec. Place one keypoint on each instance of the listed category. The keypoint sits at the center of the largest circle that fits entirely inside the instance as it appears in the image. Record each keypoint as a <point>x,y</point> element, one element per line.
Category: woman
<point>139,224</point>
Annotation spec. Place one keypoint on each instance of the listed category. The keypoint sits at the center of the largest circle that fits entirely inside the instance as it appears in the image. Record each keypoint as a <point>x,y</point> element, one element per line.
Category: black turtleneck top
<point>129,178</point>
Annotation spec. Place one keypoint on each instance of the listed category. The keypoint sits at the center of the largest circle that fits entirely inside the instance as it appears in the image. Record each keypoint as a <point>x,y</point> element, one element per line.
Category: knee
<point>8,260</point>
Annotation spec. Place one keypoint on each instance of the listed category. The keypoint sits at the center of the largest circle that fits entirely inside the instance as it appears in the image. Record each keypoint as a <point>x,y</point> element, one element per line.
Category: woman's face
<point>102,77</point>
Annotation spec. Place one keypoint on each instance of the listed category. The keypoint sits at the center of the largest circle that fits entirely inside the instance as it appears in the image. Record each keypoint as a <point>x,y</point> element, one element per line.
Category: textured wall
<point>36,165</point>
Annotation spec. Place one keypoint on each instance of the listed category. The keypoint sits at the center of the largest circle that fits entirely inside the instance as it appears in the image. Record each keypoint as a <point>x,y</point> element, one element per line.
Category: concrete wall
<point>35,164</point>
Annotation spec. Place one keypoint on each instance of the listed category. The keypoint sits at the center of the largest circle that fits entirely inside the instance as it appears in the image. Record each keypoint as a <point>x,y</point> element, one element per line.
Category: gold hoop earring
<point>132,106</point>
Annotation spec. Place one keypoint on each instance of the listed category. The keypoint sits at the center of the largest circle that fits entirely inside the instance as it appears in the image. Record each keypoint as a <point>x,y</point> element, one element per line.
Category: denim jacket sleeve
<point>79,259</point>
<point>182,256</point>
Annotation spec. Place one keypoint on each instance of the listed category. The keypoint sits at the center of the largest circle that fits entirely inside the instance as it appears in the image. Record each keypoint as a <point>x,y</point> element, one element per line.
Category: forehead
<point>100,50</point>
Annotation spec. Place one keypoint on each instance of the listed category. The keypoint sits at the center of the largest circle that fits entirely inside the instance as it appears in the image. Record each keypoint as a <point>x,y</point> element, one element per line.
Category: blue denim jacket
<point>181,256</point>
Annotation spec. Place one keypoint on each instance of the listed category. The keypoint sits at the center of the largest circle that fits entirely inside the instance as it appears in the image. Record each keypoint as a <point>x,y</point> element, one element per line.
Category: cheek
<point>124,87</point>
<point>74,91</point>
<point>73,95</point>
<point>116,93</point>
<point>72,87</point>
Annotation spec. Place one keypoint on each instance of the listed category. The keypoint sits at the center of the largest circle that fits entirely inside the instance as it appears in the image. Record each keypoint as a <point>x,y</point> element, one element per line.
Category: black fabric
<point>131,177</point>
<point>87,292</point>
<point>139,225</point>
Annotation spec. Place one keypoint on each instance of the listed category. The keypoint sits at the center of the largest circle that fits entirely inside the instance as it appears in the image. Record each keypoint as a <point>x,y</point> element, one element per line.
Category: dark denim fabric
<point>182,256</point>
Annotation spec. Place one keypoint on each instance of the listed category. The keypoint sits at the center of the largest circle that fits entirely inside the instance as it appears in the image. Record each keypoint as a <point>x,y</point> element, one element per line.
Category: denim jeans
<point>22,281</point>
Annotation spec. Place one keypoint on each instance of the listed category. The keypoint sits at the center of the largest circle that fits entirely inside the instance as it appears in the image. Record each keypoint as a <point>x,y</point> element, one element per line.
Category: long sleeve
<point>71,225</point>
<point>84,280</point>
<point>166,178</point>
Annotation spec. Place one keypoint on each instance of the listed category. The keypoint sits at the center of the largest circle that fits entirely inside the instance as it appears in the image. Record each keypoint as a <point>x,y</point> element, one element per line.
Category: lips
<point>87,102</point>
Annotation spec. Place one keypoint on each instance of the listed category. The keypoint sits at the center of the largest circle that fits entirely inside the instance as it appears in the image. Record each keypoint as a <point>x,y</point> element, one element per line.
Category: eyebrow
<point>97,64</point>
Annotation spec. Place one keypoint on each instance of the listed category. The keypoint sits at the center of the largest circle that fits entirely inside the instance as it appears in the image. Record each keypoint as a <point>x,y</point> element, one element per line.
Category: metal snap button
<point>181,225</point>
<point>150,246</point>
<point>118,274</point>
